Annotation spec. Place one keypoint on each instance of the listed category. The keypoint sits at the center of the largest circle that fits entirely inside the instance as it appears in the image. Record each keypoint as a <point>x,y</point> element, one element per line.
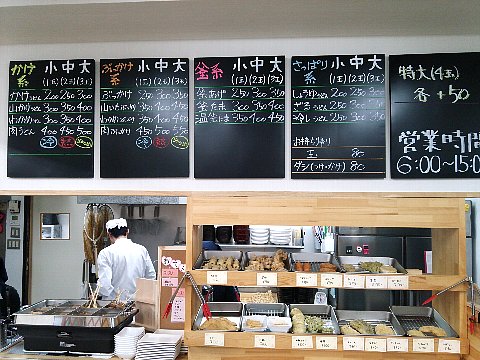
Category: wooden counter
<point>16,352</point>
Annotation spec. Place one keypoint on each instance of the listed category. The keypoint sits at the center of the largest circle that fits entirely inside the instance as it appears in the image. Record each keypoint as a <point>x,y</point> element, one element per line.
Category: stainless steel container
<point>268,309</point>
<point>371,317</point>
<point>413,317</point>
<point>206,255</point>
<point>315,259</point>
<point>325,312</point>
<point>230,310</point>
<point>356,260</point>
<point>248,255</point>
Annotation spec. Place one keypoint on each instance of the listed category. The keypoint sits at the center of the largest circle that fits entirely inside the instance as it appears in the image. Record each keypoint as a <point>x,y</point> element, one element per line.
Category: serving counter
<point>445,216</point>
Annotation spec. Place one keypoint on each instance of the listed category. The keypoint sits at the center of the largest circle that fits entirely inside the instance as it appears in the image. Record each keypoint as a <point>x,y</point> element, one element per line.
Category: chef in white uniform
<point>121,263</point>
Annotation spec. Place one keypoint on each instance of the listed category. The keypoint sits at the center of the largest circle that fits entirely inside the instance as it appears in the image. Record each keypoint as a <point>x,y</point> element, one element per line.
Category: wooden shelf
<point>444,215</point>
<point>289,279</point>
<point>284,341</point>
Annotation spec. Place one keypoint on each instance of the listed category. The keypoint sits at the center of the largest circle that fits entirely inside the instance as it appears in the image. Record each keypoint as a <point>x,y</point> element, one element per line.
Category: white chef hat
<point>116,223</point>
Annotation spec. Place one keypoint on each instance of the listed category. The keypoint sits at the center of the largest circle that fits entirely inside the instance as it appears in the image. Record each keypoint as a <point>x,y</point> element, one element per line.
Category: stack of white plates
<point>183,347</point>
<point>126,341</point>
<point>159,347</point>
<point>259,235</point>
<point>280,235</point>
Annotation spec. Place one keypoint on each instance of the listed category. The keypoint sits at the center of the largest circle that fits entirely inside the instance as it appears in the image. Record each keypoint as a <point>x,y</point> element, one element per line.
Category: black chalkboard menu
<point>51,118</point>
<point>338,117</point>
<point>144,118</point>
<point>240,117</point>
<point>435,112</point>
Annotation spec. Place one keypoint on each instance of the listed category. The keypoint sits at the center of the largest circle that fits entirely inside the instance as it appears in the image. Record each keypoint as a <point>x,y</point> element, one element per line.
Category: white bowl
<point>131,331</point>
<point>261,318</point>
<point>279,324</point>
<point>125,354</point>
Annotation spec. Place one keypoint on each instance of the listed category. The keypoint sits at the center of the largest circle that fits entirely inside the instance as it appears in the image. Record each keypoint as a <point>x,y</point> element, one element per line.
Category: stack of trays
<point>159,346</point>
<point>259,235</point>
<point>183,347</point>
<point>126,341</point>
<point>280,235</point>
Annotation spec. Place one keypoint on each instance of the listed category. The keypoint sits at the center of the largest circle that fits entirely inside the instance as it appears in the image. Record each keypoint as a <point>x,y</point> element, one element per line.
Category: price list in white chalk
<point>51,118</point>
<point>239,117</point>
<point>144,117</point>
<point>427,92</point>
<point>338,116</point>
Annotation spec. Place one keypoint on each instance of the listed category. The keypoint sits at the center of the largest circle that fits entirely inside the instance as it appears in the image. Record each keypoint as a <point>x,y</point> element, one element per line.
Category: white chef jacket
<point>119,265</point>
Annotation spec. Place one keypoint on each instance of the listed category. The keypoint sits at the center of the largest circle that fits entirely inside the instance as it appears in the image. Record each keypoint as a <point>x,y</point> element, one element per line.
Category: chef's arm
<point>105,277</point>
<point>150,272</point>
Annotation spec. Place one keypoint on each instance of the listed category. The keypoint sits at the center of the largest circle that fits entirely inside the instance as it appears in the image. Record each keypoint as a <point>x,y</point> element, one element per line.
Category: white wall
<point>56,266</point>
<point>193,48</point>
<point>14,257</point>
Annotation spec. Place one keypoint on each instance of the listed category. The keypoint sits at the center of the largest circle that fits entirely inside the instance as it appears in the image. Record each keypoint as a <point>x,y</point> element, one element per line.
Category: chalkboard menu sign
<point>338,116</point>
<point>435,112</point>
<point>50,118</point>
<point>240,117</point>
<point>144,118</point>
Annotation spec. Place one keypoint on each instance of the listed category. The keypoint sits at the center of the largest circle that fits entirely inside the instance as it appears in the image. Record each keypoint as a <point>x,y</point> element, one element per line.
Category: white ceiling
<point>74,21</point>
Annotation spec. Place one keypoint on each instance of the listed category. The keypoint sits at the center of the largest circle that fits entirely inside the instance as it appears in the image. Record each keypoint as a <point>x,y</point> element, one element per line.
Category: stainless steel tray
<point>315,259</point>
<point>269,309</point>
<point>372,318</point>
<point>325,312</point>
<point>413,317</point>
<point>73,313</point>
<point>230,310</point>
<point>206,255</point>
<point>247,256</point>
<point>355,260</point>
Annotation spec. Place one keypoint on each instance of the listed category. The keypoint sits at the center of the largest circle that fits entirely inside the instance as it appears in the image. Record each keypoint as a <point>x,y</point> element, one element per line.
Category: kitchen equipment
<point>433,297</point>
<point>365,243</point>
<point>371,317</point>
<point>270,309</point>
<point>230,310</point>
<point>413,317</point>
<point>325,312</point>
<point>67,326</point>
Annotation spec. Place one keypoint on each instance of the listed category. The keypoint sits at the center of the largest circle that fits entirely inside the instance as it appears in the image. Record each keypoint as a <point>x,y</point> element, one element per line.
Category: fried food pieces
<point>264,262</point>
<point>223,263</point>
<point>435,330</point>
<point>382,329</point>
<point>362,327</point>
<point>348,330</point>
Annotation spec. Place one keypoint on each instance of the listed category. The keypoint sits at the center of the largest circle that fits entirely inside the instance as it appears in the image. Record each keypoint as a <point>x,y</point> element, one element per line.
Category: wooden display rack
<point>444,215</point>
